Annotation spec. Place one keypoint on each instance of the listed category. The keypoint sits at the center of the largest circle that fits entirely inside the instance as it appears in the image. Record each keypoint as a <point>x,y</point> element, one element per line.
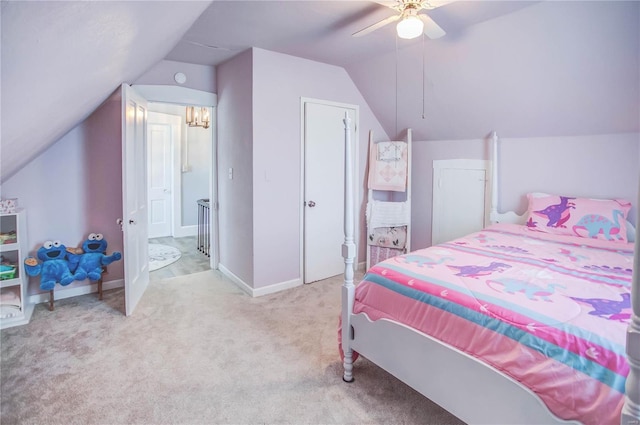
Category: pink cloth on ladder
<point>388,166</point>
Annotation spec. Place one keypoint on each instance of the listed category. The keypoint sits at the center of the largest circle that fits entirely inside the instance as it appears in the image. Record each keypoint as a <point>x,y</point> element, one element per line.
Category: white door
<point>159,178</point>
<point>323,217</point>
<point>459,190</point>
<point>134,190</point>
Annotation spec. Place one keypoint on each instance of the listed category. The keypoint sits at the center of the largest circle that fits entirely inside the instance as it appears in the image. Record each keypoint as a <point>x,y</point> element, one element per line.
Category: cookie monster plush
<point>90,262</point>
<point>54,266</point>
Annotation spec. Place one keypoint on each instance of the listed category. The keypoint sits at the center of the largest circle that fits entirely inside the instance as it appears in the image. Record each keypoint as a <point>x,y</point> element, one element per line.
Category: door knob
<point>132,222</point>
<point>311,204</point>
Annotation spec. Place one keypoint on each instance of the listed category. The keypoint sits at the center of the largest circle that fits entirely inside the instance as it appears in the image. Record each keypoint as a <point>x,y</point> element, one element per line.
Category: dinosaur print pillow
<point>588,218</point>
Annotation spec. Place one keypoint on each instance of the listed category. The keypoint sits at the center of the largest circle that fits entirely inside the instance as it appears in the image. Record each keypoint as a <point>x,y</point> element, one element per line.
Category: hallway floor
<point>191,260</point>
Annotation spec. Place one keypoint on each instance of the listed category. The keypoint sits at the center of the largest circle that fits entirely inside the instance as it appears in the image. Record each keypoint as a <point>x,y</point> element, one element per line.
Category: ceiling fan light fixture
<point>410,27</point>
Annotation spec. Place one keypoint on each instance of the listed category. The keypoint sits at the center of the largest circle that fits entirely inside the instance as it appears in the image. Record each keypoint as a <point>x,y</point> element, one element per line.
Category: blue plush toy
<point>90,262</point>
<point>54,268</point>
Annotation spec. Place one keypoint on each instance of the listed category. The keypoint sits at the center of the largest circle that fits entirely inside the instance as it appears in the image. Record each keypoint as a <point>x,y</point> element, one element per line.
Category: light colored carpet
<point>197,350</point>
<point>162,255</point>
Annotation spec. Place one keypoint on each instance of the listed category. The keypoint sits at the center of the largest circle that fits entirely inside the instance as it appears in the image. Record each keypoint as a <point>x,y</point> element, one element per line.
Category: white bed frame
<point>461,384</point>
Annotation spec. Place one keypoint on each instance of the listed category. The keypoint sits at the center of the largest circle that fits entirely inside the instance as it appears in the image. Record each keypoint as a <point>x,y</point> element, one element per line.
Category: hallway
<point>191,260</point>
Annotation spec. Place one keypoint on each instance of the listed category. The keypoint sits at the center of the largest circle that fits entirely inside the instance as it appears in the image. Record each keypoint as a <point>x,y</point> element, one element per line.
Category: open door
<point>134,194</point>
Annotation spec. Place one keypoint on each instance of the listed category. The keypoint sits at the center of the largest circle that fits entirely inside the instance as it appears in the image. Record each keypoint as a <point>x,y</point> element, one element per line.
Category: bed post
<point>348,252</point>
<point>493,214</point>
<point>631,408</point>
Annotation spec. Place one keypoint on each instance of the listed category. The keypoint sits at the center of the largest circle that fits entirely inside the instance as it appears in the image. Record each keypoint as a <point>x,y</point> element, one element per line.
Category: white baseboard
<point>276,287</point>
<point>183,231</point>
<point>258,292</point>
<point>362,267</point>
<point>60,292</point>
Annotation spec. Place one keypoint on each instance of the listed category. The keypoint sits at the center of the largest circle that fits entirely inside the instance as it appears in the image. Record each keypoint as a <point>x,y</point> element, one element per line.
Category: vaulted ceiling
<point>62,59</point>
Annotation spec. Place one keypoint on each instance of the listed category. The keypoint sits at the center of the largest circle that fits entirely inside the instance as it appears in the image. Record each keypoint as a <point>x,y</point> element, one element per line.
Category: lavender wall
<point>235,141</point>
<point>599,166</point>
<point>74,188</point>
<point>279,82</point>
<point>556,68</point>
<point>199,77</point>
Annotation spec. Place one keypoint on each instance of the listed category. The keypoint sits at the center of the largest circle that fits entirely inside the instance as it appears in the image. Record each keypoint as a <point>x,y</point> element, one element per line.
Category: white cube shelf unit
<point>15,308</point>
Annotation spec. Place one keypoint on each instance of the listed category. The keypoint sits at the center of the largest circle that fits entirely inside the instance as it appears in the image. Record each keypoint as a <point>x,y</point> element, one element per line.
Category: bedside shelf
<point>14,291</point>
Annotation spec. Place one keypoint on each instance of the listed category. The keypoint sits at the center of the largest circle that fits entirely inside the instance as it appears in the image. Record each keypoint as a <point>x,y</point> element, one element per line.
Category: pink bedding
<point>550,311</point>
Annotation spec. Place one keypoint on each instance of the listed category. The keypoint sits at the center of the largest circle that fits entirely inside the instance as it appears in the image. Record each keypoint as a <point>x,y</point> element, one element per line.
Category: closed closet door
<point>323,210</point>
<point>459,190</point>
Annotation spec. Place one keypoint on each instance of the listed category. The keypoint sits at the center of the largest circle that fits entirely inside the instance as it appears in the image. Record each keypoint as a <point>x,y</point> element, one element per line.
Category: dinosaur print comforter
<point>551,311</point>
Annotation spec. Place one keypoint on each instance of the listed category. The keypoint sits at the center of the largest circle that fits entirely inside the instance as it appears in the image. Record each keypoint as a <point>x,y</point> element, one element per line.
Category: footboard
<point>452,379</point>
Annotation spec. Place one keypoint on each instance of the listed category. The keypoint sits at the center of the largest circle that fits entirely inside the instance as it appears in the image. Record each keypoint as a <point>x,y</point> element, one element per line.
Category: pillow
<point>589,218</point>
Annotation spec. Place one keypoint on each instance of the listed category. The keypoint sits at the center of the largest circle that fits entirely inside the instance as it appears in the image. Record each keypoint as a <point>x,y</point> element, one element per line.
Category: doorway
<point>169,99</point>
<point>178,177</point>
<point>322,214</point>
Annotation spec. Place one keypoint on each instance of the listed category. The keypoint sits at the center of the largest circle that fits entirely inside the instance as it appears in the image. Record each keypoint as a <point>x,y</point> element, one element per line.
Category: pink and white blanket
<point>550,311</point>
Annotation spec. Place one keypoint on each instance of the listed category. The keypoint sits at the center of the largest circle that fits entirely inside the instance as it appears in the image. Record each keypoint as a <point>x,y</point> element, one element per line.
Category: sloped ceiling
<point>526,68</point>
<point>61,59</point>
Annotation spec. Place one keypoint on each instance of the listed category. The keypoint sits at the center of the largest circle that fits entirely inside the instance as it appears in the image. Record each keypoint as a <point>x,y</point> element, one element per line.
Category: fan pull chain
<point>396,86</point>
<point>423,75</point>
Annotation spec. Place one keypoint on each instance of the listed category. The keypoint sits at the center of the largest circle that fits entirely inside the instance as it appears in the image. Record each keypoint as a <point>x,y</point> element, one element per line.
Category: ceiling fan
<point>412,24</point>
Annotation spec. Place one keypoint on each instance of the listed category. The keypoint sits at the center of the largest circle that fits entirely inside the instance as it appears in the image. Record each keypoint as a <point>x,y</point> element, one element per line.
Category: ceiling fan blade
<point>432,4</point>
<point>375,26</point>
<point>431,29</point>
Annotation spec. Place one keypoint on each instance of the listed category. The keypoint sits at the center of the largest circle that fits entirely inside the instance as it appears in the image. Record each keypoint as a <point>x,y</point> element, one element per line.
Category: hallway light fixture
<point>411,26</point>
<point>198,117</point>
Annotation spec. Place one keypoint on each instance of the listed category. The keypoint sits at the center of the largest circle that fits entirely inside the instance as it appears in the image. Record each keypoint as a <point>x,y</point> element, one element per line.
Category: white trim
<point>61,292</point>
<point>356,109</point>
<point>235,279</point>
<point>182,231</point>
<point>263,290</point>
<point>214,225</point>
<point>276,287</point>
<point>176,94</point>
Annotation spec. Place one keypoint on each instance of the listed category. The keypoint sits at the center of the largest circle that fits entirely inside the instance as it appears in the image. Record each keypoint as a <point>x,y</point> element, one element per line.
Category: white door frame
<point>186,96</point>
<point>356,180</point>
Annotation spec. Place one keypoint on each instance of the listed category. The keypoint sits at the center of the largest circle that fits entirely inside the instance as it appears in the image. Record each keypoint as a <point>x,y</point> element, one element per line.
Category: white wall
<point>197,179</point>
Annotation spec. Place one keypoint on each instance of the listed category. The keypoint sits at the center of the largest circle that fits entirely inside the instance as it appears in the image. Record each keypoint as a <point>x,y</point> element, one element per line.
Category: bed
<point>512,324</point>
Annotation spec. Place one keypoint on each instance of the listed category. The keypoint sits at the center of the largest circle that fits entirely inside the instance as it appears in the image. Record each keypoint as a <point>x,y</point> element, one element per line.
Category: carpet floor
<point>197,350</point>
